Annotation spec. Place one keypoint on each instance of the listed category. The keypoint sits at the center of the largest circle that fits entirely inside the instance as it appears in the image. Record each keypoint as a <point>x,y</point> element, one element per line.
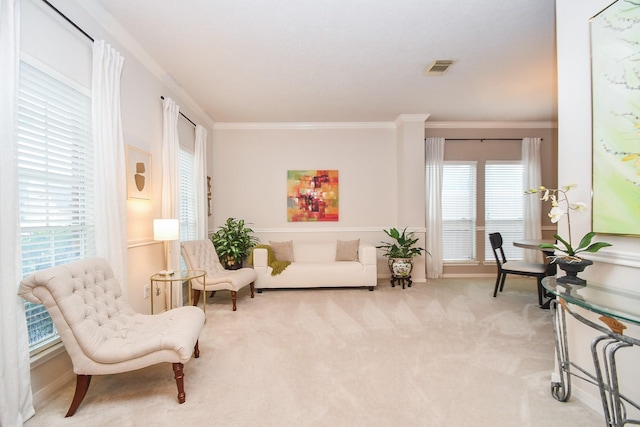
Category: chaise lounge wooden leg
<point>252,286</point>
<point>234,294</point>
<point>179,376</point>
<point>196,297</point>
<point>196,350</point>
<point>82,385</point>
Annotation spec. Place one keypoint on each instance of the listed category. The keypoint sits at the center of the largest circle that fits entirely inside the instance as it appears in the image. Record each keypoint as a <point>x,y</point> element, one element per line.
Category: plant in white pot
<point>401,251</point>
<point>570,261</point>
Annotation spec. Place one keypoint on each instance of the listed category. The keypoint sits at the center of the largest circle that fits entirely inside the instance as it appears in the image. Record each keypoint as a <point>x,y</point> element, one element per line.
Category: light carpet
<point>442,353</point>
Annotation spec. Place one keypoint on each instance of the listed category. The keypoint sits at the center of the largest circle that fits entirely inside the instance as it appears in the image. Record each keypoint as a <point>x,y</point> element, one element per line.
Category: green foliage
<point>585,245</point>
<point>233,242</point>
<point>402,246</point>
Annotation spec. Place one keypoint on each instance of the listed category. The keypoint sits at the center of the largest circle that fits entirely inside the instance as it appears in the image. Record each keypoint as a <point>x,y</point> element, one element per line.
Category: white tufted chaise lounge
<point>101,331</point>
<point>202,255</point>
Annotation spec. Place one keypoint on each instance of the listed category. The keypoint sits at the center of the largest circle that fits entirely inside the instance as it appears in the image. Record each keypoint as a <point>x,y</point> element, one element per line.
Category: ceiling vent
<point>438,67</point>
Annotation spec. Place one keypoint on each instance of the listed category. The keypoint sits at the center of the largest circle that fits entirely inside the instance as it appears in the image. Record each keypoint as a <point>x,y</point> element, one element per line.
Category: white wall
<point>50,39</point>
<point>616,266</point>
<point>250,164</point>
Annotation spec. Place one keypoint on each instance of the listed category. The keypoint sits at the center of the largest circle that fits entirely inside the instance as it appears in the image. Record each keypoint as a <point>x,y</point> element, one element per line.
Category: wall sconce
<point>166,229</point>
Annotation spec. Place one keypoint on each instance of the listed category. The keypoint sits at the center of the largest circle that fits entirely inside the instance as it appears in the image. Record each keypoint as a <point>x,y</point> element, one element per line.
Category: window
<point>187,196</point>
<point>55,162</point>
<point>504,205</point>
<point>459,211</point>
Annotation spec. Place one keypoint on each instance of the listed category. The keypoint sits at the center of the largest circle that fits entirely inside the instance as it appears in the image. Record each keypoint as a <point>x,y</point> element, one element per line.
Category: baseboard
<point>588,399</point>
<point>46,393</point>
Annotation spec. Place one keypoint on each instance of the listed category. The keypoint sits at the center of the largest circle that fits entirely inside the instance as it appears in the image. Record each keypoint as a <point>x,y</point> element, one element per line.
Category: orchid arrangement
<point>560,206</point>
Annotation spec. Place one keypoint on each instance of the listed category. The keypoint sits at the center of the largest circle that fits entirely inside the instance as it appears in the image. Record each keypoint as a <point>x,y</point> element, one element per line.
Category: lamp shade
<point>166,229</point>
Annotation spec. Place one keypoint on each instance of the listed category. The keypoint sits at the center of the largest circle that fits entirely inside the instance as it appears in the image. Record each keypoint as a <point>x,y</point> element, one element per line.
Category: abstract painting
<point>312,195</point>
<point>615,36</point>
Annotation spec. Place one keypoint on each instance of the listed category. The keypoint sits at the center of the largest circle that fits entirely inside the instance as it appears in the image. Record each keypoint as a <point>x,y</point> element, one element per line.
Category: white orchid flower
<point>556,213</point>
<point>558,196</point>
<point>578,206</point>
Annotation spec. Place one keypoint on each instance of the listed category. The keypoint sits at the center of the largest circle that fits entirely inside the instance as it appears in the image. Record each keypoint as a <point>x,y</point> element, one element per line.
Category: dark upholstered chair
<point>521,268</point>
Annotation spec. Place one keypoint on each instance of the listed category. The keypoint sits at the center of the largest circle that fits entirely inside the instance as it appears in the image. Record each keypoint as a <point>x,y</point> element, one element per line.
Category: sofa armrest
<point>260,257</point>
<point>367,254</point>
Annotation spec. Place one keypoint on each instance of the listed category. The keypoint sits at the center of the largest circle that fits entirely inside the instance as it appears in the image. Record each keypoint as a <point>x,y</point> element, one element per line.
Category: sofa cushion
<point>347,250</point>
<point>314,251</point>
<point>283,251</point>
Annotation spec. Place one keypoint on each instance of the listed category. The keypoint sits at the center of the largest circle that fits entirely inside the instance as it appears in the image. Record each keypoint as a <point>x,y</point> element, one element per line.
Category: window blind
<point>459,211</point>
<point>504,206</point>
<point>55,182</point>
<point>187,196</point>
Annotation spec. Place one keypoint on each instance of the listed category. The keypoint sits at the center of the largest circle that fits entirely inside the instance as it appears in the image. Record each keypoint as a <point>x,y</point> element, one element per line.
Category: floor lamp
<point>167,230</point>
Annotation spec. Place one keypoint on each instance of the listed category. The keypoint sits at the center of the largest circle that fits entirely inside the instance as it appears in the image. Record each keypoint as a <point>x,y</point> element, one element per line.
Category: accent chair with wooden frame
<point>202,255</point>
<point>100,330</point>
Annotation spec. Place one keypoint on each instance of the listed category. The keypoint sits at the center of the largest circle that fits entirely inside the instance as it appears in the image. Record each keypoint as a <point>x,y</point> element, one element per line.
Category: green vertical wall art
<point>615,74</point>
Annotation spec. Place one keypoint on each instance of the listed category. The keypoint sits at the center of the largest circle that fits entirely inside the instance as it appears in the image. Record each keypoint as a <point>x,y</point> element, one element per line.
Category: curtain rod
<point>485,139</point>
<point>91,38</point>
<point>68,20</point>
<point>182,114</point>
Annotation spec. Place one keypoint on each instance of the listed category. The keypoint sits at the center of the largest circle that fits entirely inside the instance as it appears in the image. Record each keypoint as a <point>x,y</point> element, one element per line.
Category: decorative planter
<point>231,264</point>
<point>401,267</point>
<point>572,267</point>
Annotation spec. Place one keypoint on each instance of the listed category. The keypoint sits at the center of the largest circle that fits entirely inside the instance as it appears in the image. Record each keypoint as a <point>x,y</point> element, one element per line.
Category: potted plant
<point>400,251</point>
<point>233,243</point>
<point>571,262</point>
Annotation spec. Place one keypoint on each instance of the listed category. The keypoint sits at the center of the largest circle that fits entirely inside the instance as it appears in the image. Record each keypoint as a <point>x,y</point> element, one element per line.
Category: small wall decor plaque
<point>138,173</point>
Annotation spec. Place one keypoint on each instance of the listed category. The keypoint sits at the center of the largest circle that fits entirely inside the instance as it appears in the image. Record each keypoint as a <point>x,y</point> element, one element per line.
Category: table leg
<point>561,390</point>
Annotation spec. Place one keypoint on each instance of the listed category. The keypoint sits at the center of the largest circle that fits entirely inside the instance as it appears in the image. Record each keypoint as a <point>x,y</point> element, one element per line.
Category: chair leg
<point>196,350</point>
<point>234,294</point>
<point>504,278</point>
<point>495,290</point>
<point>252,286</point>
<point>196,297</point>
<point>82,385</point>
<point>179,376</point>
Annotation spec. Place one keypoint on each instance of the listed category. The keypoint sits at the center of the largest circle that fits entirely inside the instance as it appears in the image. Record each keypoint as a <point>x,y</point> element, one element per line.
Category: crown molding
<point>382,125</point>
<point>303,125</point>
<point>403,118</point>
<point>491,125</point>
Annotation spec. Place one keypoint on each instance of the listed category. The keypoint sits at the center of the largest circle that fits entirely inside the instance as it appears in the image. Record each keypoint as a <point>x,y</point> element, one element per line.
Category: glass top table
<point>175,277</point>
<point>622,305</point>
<point>615,308</point>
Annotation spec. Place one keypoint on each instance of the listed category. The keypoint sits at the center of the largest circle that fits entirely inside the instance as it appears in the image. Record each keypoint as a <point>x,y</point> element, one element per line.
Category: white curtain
<point>16,402</point>
<point>434,161</point>
<point>109,164</point>
<point>200,182</point>
<point>171,179</point>
<point>532,179</point>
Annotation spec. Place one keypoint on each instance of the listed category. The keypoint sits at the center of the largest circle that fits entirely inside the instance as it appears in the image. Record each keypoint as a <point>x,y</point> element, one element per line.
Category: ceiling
<point>351,60</point>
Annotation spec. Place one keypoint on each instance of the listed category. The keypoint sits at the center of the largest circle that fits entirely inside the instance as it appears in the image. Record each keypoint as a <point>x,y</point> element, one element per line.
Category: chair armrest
<point>367,254</point>
<point>260,257</point>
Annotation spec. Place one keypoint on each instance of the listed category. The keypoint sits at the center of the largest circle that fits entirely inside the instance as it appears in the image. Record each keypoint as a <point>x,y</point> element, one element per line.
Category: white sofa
<point>314,265</point>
